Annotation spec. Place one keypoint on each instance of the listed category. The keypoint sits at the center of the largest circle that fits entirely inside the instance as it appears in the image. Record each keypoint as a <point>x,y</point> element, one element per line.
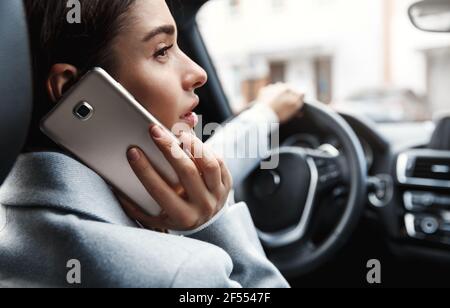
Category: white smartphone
<point>98,120</point>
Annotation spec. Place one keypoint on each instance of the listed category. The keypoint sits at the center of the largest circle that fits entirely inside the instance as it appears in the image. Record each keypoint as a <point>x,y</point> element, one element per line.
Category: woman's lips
<point>191,119</point>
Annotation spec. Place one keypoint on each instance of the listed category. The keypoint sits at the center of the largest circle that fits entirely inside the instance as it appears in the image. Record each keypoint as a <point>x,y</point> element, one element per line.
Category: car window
<point>363,56</point>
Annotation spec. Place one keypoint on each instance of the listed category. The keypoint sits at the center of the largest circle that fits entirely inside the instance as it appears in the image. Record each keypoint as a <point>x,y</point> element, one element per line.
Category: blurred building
<point>328,48</point>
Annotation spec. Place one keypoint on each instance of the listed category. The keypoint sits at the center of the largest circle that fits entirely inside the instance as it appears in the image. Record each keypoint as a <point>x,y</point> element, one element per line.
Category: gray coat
<point>53,210</point>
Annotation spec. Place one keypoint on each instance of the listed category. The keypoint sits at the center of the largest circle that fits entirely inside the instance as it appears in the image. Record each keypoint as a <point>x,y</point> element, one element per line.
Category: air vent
<point>432,168</point>
<point>424,168</point>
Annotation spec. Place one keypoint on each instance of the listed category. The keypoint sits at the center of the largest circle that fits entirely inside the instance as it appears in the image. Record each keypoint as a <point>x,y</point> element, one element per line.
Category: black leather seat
<point>15,83</point>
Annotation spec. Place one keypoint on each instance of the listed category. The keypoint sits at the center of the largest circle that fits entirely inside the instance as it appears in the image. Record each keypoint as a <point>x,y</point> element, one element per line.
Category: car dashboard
<point>408,186</point>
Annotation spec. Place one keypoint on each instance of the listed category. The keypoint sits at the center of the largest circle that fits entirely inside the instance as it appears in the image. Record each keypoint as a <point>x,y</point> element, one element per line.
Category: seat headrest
<point>15,83</point>
<point>441,136</point>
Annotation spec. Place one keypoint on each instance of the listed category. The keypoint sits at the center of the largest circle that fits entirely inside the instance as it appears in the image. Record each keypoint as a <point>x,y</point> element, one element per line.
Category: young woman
<point>59,210</point>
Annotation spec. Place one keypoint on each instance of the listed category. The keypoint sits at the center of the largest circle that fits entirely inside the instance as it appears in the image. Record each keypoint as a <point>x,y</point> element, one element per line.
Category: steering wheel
<point>284,200</point>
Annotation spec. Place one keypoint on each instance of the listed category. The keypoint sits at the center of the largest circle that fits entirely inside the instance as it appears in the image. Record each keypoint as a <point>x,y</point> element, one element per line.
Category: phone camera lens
<point>83,111</point>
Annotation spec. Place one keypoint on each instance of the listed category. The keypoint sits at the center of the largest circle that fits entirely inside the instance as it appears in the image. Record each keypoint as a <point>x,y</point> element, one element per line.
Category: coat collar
<point>56,181</point>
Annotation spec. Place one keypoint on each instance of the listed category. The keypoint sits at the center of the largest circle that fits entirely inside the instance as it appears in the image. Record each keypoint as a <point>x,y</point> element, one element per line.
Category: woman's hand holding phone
<point>205,179</point>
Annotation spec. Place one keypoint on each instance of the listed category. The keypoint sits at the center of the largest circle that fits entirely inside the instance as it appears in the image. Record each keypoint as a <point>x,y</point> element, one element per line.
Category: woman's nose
<point>195,78</point>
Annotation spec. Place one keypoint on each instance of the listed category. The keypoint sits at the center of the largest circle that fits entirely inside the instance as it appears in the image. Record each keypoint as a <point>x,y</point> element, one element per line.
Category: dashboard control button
<point>429,225</point>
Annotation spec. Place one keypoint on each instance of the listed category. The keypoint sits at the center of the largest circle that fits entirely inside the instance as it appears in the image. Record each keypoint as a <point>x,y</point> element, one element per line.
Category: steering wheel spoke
<point>329,169</point>
<point>298,231</point>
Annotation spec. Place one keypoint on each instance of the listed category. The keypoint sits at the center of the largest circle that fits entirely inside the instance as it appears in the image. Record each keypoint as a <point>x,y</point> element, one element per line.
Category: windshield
<point>361,56</point>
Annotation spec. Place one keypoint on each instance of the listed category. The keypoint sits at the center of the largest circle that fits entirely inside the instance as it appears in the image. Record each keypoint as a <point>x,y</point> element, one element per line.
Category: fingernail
<point>157,132</point>
<point>133,155</point>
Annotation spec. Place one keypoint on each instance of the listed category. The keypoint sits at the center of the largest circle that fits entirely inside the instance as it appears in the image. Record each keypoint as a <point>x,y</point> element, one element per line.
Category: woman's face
<point>151,66</point>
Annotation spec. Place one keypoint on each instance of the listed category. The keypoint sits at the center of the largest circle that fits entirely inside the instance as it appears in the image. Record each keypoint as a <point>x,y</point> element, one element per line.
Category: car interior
<point>347,194</point>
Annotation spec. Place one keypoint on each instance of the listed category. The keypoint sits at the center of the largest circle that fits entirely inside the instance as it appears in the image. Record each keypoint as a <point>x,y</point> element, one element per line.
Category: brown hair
<point>84,45</point>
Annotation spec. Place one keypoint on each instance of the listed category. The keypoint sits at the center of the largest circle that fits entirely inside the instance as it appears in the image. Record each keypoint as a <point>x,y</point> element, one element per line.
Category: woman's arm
<point>247,266</point>
<point>244,141</point>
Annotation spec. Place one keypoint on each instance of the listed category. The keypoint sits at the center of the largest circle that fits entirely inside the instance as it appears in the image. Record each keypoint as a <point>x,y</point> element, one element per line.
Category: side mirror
<point>431,15</point>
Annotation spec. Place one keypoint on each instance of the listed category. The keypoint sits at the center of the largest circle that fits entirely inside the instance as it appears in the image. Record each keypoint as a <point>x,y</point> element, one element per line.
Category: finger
<point>161,192</point>
<point>296,98</point>
<point>185,168</point>
<point>205,160</point>
<point>298,94</point>
<point>301,100</point>
<point>227,178</point>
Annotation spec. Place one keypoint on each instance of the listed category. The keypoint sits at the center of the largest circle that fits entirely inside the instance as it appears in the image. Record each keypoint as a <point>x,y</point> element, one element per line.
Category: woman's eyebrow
<point>166,29</point>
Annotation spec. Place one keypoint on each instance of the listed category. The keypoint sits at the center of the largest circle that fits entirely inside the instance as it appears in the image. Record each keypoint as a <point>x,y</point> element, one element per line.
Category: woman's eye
<point>162,52</point>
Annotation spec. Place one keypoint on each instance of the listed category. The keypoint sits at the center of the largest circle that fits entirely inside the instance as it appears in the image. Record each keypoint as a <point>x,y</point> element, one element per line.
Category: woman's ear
<point>60,79</point>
